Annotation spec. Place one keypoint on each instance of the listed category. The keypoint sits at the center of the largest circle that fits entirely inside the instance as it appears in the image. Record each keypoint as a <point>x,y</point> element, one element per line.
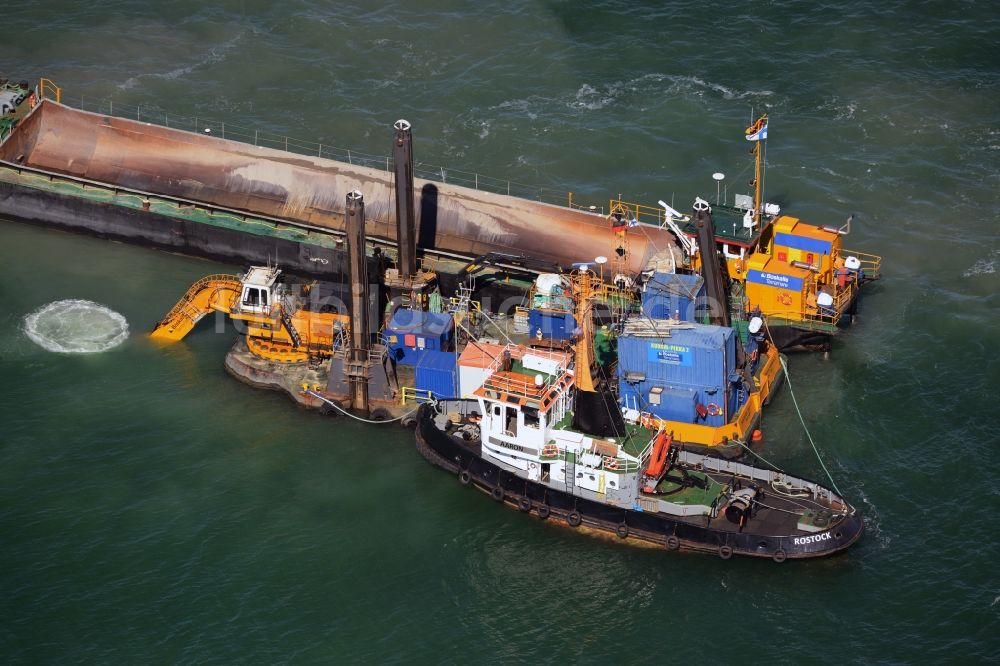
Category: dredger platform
<point>209,196</point>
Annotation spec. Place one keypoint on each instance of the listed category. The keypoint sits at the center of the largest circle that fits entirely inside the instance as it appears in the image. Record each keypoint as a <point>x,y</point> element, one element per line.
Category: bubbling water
<point>76,327</point>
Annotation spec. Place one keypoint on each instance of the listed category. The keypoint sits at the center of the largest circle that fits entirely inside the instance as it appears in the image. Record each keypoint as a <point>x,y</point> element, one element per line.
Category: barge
<point>235,202</point>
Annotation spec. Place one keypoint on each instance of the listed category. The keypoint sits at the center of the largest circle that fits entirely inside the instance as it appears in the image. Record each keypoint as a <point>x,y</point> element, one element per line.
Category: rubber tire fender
<point>544,511</point>
<point>673,543</point>
<point>464,477</point>
<point>725,552</point>
<point>574,519</point>
<point>779,556</point>
<point>380,414</point>
<point>622,531</point>
<point>497,493</point>
<point>524,504</point>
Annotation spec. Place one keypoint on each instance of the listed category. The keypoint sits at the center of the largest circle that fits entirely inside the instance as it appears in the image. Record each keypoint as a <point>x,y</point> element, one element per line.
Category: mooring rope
<point>788,380</point>
<point>768,462</point>
<point>353,416</point>
<point>798,411</point>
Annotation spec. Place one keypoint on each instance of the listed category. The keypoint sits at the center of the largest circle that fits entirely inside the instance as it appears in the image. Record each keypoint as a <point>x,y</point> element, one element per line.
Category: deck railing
<point>48,89</point>
<point>409,394</point>
<point>871,264</point>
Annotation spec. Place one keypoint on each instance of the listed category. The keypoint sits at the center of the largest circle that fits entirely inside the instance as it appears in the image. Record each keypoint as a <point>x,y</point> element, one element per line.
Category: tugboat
<point>532,439</point>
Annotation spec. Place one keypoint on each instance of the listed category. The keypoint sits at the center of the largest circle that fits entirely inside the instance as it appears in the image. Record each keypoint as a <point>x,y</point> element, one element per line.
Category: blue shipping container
<point>437,372</point>
<point>668,294</point>
<point>554,325</point>
<point>676,404</point>
<point>699,357</point>
<point>411,333</point>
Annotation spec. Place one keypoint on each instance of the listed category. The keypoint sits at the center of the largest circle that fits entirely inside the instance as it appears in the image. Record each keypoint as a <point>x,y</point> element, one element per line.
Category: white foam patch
<point>987,266</point>
<point>76,327</point>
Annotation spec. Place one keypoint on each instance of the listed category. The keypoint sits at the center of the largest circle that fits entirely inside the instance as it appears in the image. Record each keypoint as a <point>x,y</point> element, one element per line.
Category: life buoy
<point>622,531</point>
<point>550,450</point>
<point>713,409</point>
<point>524,504</point>
<point>785,298</point>
<point>497,493</point>
<point>610,463</point>
<point>573,518</point>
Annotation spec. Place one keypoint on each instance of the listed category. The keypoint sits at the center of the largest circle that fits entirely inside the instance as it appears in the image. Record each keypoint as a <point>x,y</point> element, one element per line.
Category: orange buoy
<point>757,436</point>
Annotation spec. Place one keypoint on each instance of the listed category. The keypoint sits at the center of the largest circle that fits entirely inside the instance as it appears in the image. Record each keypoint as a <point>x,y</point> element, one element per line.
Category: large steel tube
<point>226,173</point>
<point>358,268</point>
<point>711,269</point>
<point>402,157</point>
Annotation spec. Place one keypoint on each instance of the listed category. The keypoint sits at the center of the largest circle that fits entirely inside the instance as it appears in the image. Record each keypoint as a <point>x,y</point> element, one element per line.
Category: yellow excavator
<point>278,325</point>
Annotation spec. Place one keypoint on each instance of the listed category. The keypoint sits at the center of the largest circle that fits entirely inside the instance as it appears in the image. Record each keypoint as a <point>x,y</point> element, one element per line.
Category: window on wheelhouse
<point>530,417</point>
<point>251,297</point>
<point>511,422</point>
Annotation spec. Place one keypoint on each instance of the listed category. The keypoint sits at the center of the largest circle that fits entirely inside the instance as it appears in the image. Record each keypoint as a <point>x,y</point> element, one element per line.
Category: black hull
<point>788,338</point>
<point>463,459</point>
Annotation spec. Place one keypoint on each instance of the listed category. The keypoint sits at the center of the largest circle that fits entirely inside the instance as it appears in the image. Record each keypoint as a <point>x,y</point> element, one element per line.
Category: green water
<point>154,510</point>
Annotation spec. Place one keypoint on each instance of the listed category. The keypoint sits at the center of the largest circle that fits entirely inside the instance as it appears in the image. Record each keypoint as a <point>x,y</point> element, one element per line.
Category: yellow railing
<point>411,394</point>
<point>871,264</point>
<point>46,88</point>
<point>455,301</point>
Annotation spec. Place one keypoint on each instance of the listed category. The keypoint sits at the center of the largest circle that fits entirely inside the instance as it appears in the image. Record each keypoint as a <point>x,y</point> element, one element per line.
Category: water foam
<point>215,54</point>
<point>76,327</point>
<point>985,266</point>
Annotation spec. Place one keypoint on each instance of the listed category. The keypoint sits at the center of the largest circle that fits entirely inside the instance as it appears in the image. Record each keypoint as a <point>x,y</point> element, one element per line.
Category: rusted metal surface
<point>258,180</point>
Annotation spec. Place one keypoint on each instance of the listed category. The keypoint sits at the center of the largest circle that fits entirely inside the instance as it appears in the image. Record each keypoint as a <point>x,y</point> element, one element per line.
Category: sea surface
<point>154,510</point>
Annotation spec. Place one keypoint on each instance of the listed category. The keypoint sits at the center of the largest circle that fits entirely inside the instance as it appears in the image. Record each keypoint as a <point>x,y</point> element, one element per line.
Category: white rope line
<point>356,418</point>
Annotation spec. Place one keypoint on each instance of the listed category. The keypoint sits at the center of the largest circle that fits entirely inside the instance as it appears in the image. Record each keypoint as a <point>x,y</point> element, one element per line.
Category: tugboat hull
<point>462,458</point>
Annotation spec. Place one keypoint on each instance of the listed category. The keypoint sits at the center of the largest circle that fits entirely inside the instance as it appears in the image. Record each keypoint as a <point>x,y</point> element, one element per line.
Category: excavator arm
<point>215,292</point>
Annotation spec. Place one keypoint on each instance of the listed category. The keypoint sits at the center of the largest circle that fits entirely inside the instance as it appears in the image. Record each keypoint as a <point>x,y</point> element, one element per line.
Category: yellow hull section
<point>740,428</point>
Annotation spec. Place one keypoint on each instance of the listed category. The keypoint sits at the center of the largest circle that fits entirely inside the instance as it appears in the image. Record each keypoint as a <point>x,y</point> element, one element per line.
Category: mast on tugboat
<point>757,132</point>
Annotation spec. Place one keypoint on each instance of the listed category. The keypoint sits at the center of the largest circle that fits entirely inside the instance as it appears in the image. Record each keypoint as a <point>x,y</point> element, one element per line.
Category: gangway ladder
<point>570,468</point>
<point>287,322</point>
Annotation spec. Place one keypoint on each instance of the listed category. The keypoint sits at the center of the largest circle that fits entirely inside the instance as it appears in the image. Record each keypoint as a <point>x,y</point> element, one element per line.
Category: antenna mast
<point>757,132</point>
